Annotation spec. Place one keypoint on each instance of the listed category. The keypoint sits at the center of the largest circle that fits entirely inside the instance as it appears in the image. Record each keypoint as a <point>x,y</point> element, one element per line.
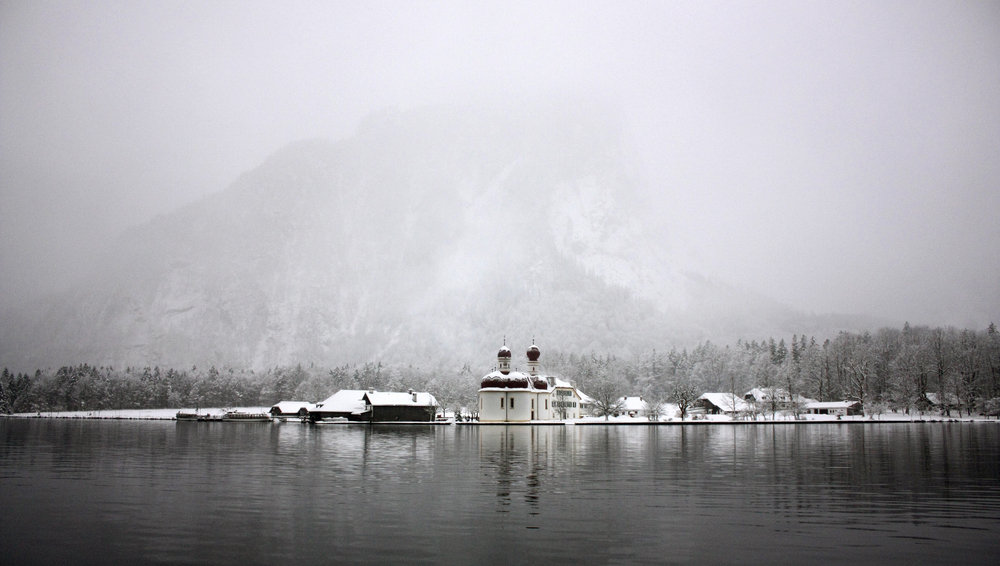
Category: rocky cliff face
<point>427,236</point>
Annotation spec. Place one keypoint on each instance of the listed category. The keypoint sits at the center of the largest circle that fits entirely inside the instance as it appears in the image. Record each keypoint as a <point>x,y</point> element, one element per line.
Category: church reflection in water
<point>519,459</point>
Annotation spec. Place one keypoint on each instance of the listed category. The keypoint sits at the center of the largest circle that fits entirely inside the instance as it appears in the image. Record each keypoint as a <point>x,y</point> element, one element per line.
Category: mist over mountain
<point>425,238</point>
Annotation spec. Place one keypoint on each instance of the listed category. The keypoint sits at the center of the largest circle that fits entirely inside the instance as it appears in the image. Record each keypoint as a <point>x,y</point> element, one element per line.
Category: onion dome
<point>504,352</point>
<point>533,353</point>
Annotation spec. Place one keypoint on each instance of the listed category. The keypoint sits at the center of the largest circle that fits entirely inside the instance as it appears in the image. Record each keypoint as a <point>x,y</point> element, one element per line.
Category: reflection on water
<point>99,491</point>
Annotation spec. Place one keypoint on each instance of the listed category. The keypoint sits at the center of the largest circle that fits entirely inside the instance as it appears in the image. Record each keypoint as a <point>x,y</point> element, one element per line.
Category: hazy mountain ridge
<point>427,236</point>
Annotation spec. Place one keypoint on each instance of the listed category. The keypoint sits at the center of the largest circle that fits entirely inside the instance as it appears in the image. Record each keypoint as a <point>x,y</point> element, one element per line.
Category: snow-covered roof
<point>343,401</point>
<point>830,404</point>
<point>935,399</point>
<point>496,381</point>
<point>765,394</point>
<point>725,401</point>
<point>633,403</point>
<point>562,383</point>
<point>514,380</point>
<point>400,399</point>
<point>291,407</point>
<point>779,393</point>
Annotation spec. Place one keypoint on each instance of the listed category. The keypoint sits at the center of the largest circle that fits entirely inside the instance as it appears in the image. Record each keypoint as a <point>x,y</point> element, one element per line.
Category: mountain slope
<point>426,237</point>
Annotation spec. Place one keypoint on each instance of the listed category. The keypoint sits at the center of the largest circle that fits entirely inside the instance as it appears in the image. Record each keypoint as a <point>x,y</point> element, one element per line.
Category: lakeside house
<point>774,397</point>
<point>632,406</point>
<point>375,406</point>
<point>839,408</point>
<point>507,396</point>
<point>345,404</point>
<point>932,401</point>
<point>391,406</point>
<point>721,404</point>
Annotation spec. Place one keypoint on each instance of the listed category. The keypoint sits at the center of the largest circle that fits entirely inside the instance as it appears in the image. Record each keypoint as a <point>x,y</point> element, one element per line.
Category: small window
<point>532,404</point>
<point>501,402</point>
<point>546,404</point>
<point>511,402</point>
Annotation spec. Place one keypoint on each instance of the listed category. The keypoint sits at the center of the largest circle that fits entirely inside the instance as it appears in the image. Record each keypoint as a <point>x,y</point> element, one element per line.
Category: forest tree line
<point>892,368</point>
<point>898,369</point>
<point>90,388</point>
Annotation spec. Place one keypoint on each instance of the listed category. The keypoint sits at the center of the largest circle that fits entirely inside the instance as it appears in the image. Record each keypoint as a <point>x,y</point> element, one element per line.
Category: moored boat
<point>240,417</point>
<point>197,417</point>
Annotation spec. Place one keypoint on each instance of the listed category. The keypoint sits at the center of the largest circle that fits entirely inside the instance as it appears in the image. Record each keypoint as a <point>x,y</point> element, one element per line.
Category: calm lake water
<point>86,491</point>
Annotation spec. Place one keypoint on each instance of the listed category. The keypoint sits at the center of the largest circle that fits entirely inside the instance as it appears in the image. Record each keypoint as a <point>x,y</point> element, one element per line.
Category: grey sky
<point>840,158</point>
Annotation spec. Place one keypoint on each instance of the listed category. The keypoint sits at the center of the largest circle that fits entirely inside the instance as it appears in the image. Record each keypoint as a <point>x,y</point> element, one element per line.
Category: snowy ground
<point>147,414</point>
<point>781,417</point>
<point>169,414</point>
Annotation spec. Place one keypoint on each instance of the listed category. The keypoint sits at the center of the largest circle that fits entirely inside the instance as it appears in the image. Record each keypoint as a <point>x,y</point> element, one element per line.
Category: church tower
<point>533,355</point>
<point>503,359</point>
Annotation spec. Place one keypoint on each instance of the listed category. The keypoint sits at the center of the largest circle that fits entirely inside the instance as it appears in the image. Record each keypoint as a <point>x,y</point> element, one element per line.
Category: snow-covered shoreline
<point>136,414</point>
<point>171,414</point>
<point>780,417</point>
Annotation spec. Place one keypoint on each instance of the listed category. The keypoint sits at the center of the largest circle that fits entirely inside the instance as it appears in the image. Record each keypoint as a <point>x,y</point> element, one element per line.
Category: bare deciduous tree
<point>606,392</point>
<point>683,394</point>
<point>653,409</point>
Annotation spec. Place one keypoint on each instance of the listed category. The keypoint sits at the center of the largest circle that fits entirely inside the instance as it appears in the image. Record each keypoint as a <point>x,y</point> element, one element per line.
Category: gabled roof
<point>765,394</point>
<point>343,401</point>
<point>725,401</point>
<point>633,403</point>
<point>400,399</point>
<point>831,404</point>
<point>584,398</point>
<point>559,382</point>
<point>289,407</point>
<point>563,384</point>
<point>935,399</point>
<point>780,394</point>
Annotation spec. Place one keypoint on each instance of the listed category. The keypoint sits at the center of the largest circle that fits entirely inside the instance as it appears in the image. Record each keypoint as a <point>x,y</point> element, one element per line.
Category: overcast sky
<point>841,157</point>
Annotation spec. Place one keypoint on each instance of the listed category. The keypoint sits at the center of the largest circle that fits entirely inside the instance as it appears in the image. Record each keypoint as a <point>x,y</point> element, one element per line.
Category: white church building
<point>507,396</point>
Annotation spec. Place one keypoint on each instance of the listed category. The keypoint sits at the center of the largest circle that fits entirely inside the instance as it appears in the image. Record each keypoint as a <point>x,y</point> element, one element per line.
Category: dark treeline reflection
<point>909,369</point>
<point>231,494</point>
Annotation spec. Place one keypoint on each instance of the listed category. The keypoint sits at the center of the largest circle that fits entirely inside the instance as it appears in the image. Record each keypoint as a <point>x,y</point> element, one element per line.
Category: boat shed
<point>391,406</point>
<point>344,404</point>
